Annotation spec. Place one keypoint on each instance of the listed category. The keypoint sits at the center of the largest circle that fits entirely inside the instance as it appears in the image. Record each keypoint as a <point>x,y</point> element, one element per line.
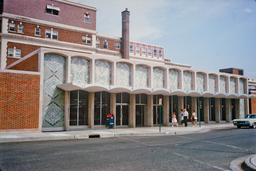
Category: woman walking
<point>193,118</point>
<point>174,120</point>
<point>181,117</point>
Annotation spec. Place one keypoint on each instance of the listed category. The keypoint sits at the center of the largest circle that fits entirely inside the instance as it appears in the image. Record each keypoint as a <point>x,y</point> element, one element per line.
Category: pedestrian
<point>174,120</point>
<point>181,117</point>
<point>185,114</point>
<point>193,118</point>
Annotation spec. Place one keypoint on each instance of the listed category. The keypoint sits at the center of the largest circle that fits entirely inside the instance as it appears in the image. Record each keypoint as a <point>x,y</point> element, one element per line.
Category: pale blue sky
<point>206,34</point>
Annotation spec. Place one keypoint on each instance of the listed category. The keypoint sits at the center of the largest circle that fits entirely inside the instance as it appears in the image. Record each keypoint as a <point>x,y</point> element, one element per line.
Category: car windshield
<point>247,117</point>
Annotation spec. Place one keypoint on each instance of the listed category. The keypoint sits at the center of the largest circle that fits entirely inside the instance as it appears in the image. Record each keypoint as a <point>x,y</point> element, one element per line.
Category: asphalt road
<point>204,151</point>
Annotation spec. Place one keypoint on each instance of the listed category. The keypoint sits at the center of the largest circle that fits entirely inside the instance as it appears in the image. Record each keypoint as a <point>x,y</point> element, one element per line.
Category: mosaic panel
<point>141,76</point>
<point>232,85</point>
<point>53,97</point>
<point>200,82</point>
<point>158,77</point>
<point>212,83</point>
<point>187,81</point>
<point>173,79</point>
<point>123,74</point>
<point>223,84</point>
<point>242,109</point>
<point>102,72</point>
<point>80,70</point>
<point>241,86</point>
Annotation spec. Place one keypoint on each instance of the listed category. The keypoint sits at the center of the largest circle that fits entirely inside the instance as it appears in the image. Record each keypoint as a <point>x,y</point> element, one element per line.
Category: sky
<point>205,34</point>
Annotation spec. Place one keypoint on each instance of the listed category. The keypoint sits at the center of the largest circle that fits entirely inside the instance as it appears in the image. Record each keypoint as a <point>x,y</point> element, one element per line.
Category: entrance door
<point>156,115</point>
<point>140,115</point>
<point>122,112</point>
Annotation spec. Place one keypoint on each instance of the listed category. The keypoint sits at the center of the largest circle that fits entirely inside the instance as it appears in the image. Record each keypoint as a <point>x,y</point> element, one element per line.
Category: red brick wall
<point>253,103</point>
<point>19,101</point>
<point>30,64</point>
<point>111,44</point>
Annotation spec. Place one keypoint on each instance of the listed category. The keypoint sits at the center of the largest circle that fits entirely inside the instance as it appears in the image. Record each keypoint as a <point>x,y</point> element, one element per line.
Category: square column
<point>132,117</point>
<point>149,115</point>
<point>67,113</point>
<point>113,105</point>
<point>194,103</point>
<point>166,112</point>
<point>237,108</point>
<point>228,110</point>
<point>206,110</point>
<point>91,110</point>
<point>217,110</point>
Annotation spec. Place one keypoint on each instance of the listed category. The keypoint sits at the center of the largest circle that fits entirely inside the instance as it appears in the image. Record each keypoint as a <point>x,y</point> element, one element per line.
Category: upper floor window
<point>131,48</point>
<point>20,28</point>
<point>12,27</point>
<point>51,9</point>
<point>105,45</point>
<point>87,17</point>
<point>50,34</point>
<point>137,50</point>
<point>149,52</point>
<point>97,43</point>
<point>143,51</point>
<point>117,45</point>
<point>86,39</point>
<point>37,31</point>
<point>155,53</point>
<point>160,53</point>
<point>15,53</point>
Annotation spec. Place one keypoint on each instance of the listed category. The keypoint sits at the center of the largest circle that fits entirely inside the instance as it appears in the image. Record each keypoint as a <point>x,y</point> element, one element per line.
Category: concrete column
<point>228,110</point>
<point>237,108</point>
<point>92,71</point>
<point>228,84</point>
<point>132,118</point>
<point>94,40</point>
<point>247,111</point>
<point>166,112</point>
<point>113,105</point>
<point>149,115</point>
<point>150,77</point>
<point>181,80</point>
<point>180,103</point>
<point>194,103</point>
<point>206,82</point>
<point>91,110</point>
<point>217,83</point>
<point>133,67</point>
<point>237,86</point>
<point>68,69</point>
<point>67,111</point>
<point>166,78</point>
<point>194,85</point>
<point>113,73</point>
<point>217,110</point>
<point>3,58</point>
<point>206,110</point>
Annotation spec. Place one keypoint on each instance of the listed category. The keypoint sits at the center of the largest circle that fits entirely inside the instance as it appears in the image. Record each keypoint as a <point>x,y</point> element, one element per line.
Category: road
<point>213,150</point>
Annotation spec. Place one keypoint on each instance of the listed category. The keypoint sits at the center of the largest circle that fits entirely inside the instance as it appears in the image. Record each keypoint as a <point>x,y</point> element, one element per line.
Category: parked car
<point>249,120</point>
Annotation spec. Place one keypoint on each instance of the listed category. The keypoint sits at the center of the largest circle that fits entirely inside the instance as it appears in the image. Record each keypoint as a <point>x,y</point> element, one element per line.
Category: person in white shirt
<point>193,118</point>
<point>185,114</point>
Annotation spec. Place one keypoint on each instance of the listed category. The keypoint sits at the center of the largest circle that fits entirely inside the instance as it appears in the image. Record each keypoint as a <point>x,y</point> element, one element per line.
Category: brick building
<point>58,73</point>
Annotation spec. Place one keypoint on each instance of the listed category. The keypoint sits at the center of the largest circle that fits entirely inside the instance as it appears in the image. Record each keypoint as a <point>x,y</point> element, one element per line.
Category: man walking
<point>185,114</point>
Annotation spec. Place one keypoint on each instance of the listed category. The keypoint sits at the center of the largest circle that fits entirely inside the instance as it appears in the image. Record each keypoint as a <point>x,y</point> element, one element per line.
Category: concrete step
<point>246,163</point>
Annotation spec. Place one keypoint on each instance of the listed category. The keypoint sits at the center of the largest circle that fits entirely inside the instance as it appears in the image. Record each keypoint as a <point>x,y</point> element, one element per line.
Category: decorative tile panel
<point>241,86</point>
<point>212,83</point>
<point>158,77</point>
<point>102,72</point>
<point>80,70</point>
<point>223,84</point>
<point>187,81</point>
<point>242,109</point>
<point>173,79</point>
<point>123,74</point>
<point>53,97</point>
<point>232,85</point>
<point>141,76</point>
<point>200,82</point>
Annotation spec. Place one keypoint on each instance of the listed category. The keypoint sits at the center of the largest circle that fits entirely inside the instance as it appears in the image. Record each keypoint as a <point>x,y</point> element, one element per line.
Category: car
<point>249,120</point>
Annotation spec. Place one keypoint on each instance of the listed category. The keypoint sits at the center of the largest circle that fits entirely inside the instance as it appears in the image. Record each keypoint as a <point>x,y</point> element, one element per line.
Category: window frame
<point>53,10</point>
<point>13,27</point>
<point>143,51</point>
<point>39,31</point>
<point>137,49</point>
<point>117,45</point>
<point>132,49</point>
<point>97,43</point>
<point>155,53</point>
<point>150,52</point>
<point>105,46</point>
<point>20,30</point>
<point>86,17</point>
<point>52,34</point>
<point>14,53</point>
<point>160,53</point>
<point>86,40</point>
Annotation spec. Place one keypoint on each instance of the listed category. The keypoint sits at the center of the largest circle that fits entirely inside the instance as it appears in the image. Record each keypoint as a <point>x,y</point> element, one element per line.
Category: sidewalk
<point>104,133</point>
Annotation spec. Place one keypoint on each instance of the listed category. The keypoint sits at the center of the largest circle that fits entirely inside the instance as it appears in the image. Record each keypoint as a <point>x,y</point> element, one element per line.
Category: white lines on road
<point>231,146</point>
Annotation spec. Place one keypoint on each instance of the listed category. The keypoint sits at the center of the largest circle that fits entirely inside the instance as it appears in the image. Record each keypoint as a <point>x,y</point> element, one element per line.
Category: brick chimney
<point>125,34</point>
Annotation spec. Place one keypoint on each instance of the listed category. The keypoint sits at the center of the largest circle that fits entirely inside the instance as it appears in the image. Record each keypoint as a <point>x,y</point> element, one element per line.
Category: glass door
<point>139,115</point>
<point>122,112</point>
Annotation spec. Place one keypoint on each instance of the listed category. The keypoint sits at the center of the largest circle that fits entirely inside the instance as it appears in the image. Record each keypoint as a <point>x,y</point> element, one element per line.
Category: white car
<point>249,120</point>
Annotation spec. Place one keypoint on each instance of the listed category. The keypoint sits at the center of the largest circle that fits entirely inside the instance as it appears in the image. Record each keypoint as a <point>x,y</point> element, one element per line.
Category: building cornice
<point>104,36</point>
<point>47,23</point>
<point>77,4</point>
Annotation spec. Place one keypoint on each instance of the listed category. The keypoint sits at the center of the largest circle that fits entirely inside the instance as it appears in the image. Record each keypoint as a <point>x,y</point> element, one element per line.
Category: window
<point>240,73</point>
<point>20,28</point>
<point>15,53</point>
<point>86,17</point>
<point>137,50</point>
<point>143,50</point>
<point>50,9</point>
<point>97,43</point>
<point>160,53</point>
<point>131,48</point>
<point>12,27</point>
<point>105,45</point>
<point>149,52</point>
<point>86,39</point>
<point>37,31</point>
<point>50,34</point>
<point>155,53</point>
<point>117,45</point>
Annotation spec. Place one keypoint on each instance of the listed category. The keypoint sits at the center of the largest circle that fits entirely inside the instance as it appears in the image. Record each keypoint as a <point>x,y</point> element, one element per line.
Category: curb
<point>251,162</point>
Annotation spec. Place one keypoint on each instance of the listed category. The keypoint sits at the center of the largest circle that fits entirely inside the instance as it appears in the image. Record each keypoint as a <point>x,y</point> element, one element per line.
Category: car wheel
<point>238,126</point>
<point>254,125</point>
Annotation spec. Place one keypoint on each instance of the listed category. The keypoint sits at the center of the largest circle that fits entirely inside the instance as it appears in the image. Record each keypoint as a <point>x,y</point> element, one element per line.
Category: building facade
<point>58,73</point>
